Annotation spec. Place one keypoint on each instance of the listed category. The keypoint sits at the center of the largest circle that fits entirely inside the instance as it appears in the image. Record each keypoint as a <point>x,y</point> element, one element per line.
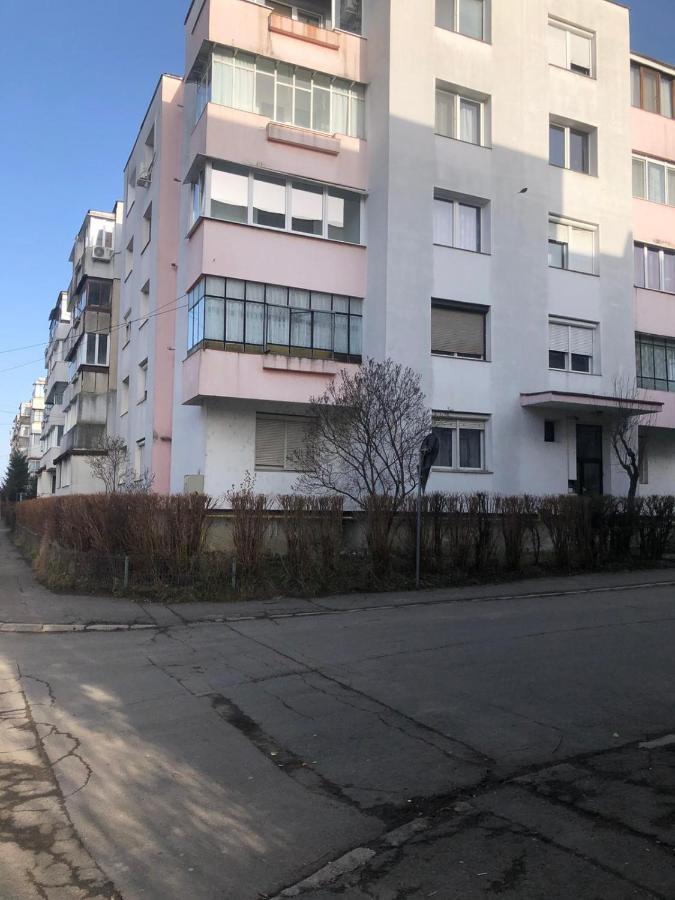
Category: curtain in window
<point>635,85</point>
<point>671,187</point>
<point>349,15</point>
<point>470,448</point>
<point>235,321</point>
<point>301,328</point>
<point>444,436</point>
<point>469,228</point>
<point>214,325</point>
<point>639,259</point>
<point>269,201</point>
<point>222,78</point>
<point>669,272</point>
<point>243,86</point>
<point>638,178</point>
<point>229,195</point>
<point>444,113</point>
<point>321,103</point>
<point>443,212</point>
<point>255,323</point>
<point>323,330</point>
<point>340,112</point>
<point>284,93</point>
<point>650,90</point>
<point>355,335</point>
<point>264,88</point>
<point>278,321</point>
<point>469,121</point>
<point>666,96</point>
<point>341,334</point>
<point>653,269</point>
<point>656,180</point>
<point>307,208</point>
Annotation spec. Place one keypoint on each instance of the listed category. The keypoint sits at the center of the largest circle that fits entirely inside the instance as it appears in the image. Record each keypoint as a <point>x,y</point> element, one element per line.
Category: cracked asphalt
<point>371,748</point>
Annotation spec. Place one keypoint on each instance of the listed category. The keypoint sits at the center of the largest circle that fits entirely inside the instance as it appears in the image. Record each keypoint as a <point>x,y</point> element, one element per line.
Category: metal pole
<point>126,572</point>
<point>418,548</point>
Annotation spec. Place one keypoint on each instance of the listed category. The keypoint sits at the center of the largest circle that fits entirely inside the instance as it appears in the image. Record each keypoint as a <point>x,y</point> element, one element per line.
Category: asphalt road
<point>514,748</point>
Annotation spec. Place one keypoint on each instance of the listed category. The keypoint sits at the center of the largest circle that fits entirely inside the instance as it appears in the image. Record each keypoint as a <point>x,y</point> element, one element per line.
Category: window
<point>256,317</point>
<point>274,201</point>
<point>571,346</point>
<point>144,304</point>
<point>142,392</point>
<point>464,16</point>
<point>197,198</point>
<point>278,439</point>
<point>654,268</point>
<point>643,457</point>
<point>572,245</point>
<point>653,181</point>
<point>147,226</point>
<point>458,330</point>
<point>460,116</point>
<point>457,223</point>
<point>282,92</point>
<point>462,443</point>
<point>651,90</point>
<point>129,259</point>
<point>655,360</point>
<point>138,458</point>
<point>95,293</point>
<point>124,396</point>
<point>127,327</point>
<point>569,148</point>
<point>93,350</point>
<point>131,190</point>
<point>549,431</point>
<point>570,47</point>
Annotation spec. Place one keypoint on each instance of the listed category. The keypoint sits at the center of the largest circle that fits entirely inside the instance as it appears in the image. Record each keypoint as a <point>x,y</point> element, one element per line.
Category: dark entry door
<point>589,459</point>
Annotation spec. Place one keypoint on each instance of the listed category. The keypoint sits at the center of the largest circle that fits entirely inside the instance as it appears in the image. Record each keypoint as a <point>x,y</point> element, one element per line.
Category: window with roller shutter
<point>458,330</point>
<point>278,440</point>
<point>572,346</point>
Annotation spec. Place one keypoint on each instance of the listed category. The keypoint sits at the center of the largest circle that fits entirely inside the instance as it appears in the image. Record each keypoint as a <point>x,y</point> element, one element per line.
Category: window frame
<point>642,68</point>
<point>353,91</point>
<point>649,343</point>
<point>456,423</point>
<point>328,192</point>
<point>574,225</point>
<point>568,131</point>
<point>668,176</point>
<point>285,420</point>
<point>457,201</point>
<point>456,4</point>
<point>458,95</point>
<point>142,396</point>
<point>594,361</point>
<point>471,309</point>
<point>570,29</point>
<point>663,252</point>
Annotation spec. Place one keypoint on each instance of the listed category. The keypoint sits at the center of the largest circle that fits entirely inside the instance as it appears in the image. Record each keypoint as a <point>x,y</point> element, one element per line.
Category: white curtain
<point>444,113</point>
<point>235,321</point>
<point>443,210</point>
<point>469,121</point>
<point>471,18</point>
<point>469,228</point>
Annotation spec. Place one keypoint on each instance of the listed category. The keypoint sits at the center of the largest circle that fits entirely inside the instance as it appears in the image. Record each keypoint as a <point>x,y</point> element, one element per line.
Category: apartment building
<point>56,383</point>
<point>37,411</point>
<point>653,103</point>
<point>430,182</point>
<point>90,349</point>
<point>19,439</point>
<point>148,293</point>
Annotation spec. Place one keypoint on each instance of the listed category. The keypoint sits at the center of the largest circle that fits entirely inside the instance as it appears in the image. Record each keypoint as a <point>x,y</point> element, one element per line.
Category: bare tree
<point>111,463</point>
<point>628,441</point>
<point>365,435</point>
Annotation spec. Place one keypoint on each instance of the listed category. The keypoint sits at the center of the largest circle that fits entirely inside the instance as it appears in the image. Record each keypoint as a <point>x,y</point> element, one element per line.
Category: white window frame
<point>138,459</point>
<point>456,18</point>
<point>144,304</point>
<point>662,252</point>
<point>573,225</point>
<point>455,423</point>
<point>457,95</point>
<point>124,397</point>
<point>288,199</point>
<point>581,32</point>
<point>354,91</point>
<point>147,226</point>
<point>567,129</point>
<point>571,324</point>
<point>457,200</point>
<point>129,259</point>
<point>669,170</point>
<point>82,350</point>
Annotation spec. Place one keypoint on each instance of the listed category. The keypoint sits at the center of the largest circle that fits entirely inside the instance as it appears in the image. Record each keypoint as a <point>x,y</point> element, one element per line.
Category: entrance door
<point>589,459</point>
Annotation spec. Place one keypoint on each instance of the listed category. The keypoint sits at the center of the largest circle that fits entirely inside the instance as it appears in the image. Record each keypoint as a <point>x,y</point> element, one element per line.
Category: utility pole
<point>428,453</point>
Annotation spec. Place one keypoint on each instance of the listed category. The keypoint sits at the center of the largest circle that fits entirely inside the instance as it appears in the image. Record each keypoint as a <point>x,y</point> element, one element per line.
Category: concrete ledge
<point>304,32</point>
<point>300,137</point>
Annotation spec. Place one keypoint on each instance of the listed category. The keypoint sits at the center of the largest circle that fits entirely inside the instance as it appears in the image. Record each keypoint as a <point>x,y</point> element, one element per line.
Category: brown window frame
<point>659,74</point>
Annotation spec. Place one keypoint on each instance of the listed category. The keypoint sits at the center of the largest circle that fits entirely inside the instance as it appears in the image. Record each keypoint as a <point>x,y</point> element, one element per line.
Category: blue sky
<point>77,79</point>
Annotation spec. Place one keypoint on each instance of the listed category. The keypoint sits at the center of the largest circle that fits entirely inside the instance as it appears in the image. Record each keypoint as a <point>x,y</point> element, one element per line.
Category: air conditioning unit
<point>102,254</point>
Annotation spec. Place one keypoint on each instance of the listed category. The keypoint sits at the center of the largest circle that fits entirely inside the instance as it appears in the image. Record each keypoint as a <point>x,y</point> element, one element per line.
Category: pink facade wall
<point>166,223</point>
<point>237,23</point>
<point>241,137</point>
<point>259,254</point>
<point>654,223</point>
<point>215,373</point>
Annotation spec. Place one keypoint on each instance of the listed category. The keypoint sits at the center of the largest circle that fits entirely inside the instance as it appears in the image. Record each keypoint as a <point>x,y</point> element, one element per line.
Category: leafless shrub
<point>514,514</point>
<point>250,526</point>
<point>480,511</point>
<point>297,523</point>
<point>558,513</point>
<point>656,519</point>
<point>327,534</point>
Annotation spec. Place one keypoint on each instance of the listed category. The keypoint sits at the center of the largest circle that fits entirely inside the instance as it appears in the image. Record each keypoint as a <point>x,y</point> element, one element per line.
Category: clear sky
<point>77,79</point>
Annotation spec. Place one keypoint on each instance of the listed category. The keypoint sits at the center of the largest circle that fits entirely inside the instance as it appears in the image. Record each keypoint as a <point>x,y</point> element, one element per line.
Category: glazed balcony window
<point>265,318</point>
<point>342,15</point>
<point>287,94</point>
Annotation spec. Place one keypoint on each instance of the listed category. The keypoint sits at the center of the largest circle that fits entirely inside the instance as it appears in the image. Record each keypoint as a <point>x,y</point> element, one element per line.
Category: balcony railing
<point>82,437</point>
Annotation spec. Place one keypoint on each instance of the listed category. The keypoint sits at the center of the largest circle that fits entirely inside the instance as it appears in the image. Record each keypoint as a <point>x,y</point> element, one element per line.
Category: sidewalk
<point>27,606</point>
